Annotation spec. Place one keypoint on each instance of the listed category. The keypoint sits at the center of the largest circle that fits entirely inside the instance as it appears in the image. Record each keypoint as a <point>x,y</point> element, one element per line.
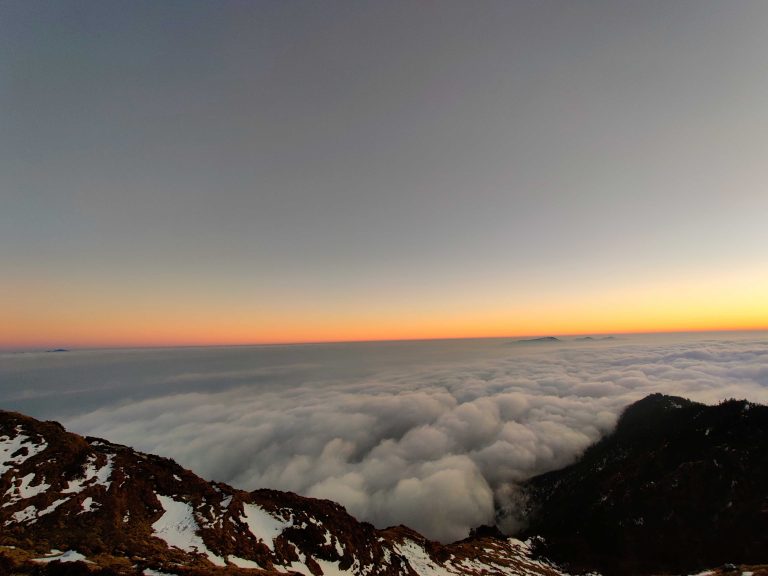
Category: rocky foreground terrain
<point>116,510</point>
<point>677,486</point>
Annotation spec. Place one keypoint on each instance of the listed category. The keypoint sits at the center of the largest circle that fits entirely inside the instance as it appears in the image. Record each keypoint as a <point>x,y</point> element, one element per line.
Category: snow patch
<point>419,560</point>
<point>92,476</point>
<point>263,525</point>
<point>301,565</point>
<point>332,568</point>
<point>177,527</point>
<point>24,490</point>
<point>29,513</point>
<point>243,563</point>
<point>10,445</point>
<point>89,505</point>
<point>68,556</point>
<point>52,507</point>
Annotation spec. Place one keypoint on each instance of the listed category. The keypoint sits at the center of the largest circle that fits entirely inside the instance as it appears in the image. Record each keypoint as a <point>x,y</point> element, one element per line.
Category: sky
<point>253,172</point>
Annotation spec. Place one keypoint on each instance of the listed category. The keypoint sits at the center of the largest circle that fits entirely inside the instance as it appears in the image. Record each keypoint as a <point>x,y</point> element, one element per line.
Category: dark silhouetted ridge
<point>677,487</point>
<point>542,340</point>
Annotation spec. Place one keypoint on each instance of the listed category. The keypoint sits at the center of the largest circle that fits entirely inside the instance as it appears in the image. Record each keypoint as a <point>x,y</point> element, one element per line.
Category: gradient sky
<point>245,172</point>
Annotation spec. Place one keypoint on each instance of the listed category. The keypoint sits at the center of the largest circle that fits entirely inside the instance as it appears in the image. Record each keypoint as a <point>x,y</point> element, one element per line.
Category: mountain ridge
<point>136,513</point>
<point>678,486</point>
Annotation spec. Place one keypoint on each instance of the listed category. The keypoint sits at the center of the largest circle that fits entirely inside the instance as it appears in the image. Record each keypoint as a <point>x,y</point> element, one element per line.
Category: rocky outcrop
<point>677,487</point>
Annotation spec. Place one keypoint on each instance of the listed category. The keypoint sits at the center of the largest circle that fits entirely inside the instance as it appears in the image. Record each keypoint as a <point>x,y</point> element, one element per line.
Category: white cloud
<point>434,448</point>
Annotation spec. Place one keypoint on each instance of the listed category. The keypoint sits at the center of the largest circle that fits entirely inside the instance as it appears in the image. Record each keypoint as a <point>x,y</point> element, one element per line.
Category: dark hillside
<point>678,486</point>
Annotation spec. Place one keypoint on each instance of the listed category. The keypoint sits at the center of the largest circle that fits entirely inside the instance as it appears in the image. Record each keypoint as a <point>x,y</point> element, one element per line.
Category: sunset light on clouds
<point>271,172</point>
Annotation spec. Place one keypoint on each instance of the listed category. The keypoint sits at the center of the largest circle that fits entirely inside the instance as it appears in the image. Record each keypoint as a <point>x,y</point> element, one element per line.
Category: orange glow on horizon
<point>729,303</point>
<point>124,343</point>
<point>128,335</point>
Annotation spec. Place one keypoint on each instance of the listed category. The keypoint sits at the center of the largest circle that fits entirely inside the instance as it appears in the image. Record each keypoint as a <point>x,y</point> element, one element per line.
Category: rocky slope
<point>677,487</point>
<point>117,511</point>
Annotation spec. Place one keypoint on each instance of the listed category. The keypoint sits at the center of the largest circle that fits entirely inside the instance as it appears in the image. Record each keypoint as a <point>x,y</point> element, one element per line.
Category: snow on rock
<point>419,560</point>
<point>9,446</point>
<point>92,476</point>
<point>301,565</point>
<point>243,563</point>
<point>332,568</point>
<point>52,507</point>
<point>89,505</point>
<point>24,490</point>
<point>330,540</point>
<point>29,513</point>
<point>263,525</point>
<point>68,556</point>
<point>177,527</point>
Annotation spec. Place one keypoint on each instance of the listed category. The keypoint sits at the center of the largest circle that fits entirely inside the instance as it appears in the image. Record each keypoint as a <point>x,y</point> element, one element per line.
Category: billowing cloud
<point>437,448</point>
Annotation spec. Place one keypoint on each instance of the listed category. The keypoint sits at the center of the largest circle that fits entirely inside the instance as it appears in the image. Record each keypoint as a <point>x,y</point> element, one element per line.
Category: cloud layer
<point>439,448</point>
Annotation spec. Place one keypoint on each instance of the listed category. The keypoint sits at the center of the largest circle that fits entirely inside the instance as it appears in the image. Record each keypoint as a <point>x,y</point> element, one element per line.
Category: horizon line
<point>127,346</point>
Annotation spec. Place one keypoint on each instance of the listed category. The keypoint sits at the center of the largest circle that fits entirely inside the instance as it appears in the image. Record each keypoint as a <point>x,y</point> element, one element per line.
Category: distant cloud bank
<point>437,449</point>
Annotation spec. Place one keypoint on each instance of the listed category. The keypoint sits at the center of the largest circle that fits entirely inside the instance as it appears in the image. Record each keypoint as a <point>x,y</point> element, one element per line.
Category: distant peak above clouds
<point>541,340</point>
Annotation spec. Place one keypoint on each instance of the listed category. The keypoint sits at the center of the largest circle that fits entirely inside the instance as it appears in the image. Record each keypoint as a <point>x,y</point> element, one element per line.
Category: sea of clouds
<point>439,449</point>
